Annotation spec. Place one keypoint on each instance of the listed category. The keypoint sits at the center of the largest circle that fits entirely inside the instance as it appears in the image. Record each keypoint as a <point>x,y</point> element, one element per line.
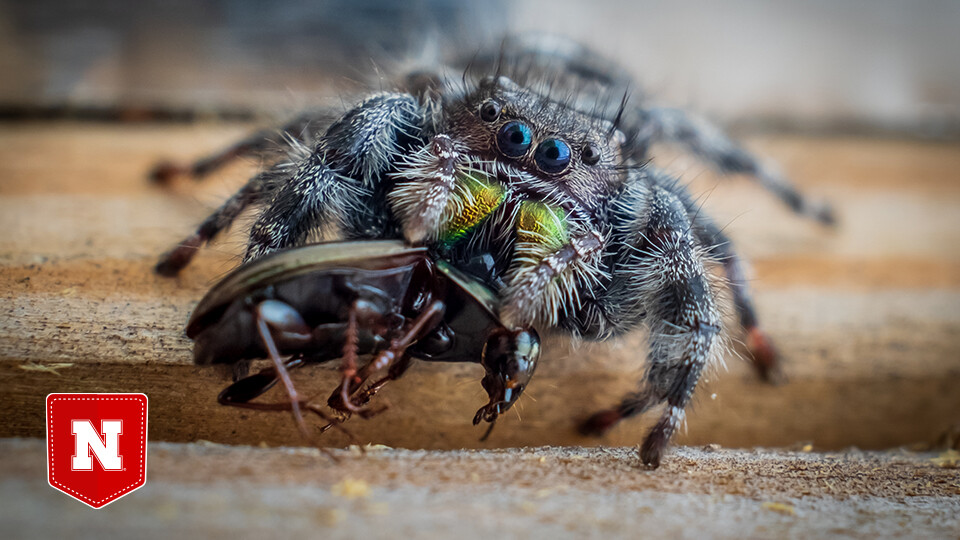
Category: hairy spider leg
<point>301,129</point>
<point>763,354</point>
<point>713,146</point>
<point>426,184</point>
<point>333,183</point>
<point>439,197</point>
<point>662,267</point>
<point>256,190</point>
<point>340,181</point>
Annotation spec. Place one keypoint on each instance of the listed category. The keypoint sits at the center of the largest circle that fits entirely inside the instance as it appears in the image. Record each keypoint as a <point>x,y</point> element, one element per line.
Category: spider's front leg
<point>341,181</point>
<point>439,196</point>
<point>426,187</point>
<point>659,277</point>
<point>336,182</point>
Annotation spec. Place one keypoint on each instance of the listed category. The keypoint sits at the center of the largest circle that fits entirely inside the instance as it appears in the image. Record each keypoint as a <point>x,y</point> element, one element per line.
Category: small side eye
<point>490,110</point>
<point>590,154</point>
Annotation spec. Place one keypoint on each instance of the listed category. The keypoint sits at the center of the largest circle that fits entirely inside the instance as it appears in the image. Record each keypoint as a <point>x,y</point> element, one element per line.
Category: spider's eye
<point>490,110</point>
<point>552,156</point>
<point>590,154</point>
<point>514,139</point>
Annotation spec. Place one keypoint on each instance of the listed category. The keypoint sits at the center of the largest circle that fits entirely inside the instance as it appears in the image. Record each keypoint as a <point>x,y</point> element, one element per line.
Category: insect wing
<point>288,264</point>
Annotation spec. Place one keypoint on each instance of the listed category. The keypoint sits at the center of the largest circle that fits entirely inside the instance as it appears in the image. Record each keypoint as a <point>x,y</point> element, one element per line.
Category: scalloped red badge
<point>96,445</point>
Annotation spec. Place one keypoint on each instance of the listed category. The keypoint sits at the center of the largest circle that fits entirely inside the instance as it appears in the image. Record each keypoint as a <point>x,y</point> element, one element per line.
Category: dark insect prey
<point>530,171</point>
<point>346,300</point>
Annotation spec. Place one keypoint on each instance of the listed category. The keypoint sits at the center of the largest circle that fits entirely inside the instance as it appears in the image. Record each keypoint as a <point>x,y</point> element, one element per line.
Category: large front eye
<point>514,139</point>
<point>552,156</point>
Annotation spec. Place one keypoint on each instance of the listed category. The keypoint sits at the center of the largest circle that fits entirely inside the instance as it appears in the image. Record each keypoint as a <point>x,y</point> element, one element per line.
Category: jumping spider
<point>524,178</point>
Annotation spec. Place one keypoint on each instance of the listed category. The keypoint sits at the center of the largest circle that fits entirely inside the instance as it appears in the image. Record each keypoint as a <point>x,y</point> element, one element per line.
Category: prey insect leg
<point>281,370</point>
<point>348,366</point>
<point>241,393</point>
<point>394,358</point>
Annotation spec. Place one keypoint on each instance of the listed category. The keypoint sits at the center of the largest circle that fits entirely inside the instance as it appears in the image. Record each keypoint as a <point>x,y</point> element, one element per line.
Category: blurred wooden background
<point>869,66</point>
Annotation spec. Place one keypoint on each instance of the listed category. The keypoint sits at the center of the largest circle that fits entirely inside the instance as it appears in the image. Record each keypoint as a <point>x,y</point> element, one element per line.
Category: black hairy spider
<point>532,176</point>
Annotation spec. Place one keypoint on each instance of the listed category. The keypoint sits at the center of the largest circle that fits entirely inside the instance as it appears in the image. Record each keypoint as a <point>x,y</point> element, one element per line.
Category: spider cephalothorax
<point>529,181</point>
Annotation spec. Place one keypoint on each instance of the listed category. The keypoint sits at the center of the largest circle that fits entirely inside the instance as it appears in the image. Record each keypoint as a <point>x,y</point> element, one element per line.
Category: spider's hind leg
<point>257,189</point>
<point>763,354</point>
<point>302,129</point>
<point>712,145</point>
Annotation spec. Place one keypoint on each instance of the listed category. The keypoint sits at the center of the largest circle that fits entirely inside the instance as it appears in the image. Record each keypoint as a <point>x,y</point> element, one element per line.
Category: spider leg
<point>663,271</point>
<point>712,145</point>
<point>763,354</point>
<point>721,248</point>
<point>301,129</point>
<point>341,180</point>
<point>256,190</point>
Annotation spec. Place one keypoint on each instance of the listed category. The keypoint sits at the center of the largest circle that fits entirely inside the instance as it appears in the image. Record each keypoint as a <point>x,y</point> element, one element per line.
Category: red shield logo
<point>96,445</point>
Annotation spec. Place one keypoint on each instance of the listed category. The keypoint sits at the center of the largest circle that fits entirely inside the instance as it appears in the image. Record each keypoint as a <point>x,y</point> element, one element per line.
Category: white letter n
<point>106,449</point>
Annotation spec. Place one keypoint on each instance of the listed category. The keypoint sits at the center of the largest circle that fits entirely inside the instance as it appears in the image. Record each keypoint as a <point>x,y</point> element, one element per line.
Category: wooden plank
<point>217,491</point>
<point>867,316</point>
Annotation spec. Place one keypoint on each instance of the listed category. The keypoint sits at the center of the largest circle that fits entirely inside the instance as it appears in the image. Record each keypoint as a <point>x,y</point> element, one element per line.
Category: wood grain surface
<point>866,316</point>
<point>215,491</point>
